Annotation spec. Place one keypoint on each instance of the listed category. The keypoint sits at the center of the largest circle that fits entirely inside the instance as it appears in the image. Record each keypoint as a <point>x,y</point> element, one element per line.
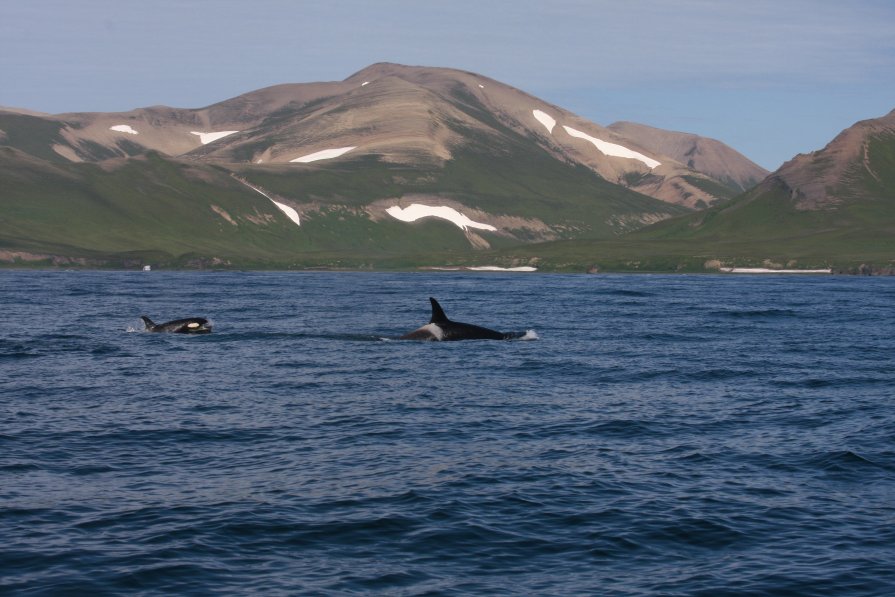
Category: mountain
<point>702,154</point>
<point>394,162</point>
<point>832,208</point>
<point>400,114</point>
<point>846,188</point>
<point>857,166</point>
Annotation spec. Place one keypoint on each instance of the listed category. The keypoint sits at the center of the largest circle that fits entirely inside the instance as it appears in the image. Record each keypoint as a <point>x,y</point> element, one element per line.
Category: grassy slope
<point>522,184</point>
<point>164,206</point>
<point>146,205</point>
<point>760,225</point>
<point>160,210</point>
<point>31,134</point>
<point>501,171</point>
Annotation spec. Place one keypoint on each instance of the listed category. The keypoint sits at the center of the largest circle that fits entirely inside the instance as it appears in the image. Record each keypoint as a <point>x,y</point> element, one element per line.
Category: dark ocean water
<point>667,435</point>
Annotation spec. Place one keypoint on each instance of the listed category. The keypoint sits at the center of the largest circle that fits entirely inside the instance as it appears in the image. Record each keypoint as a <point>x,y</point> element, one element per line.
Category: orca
<point>191,325</point>
<point>440,328</point>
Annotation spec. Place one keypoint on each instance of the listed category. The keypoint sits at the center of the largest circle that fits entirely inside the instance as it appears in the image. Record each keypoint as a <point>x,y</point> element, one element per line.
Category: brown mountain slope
<point>413,116</point>
<point>702,154</point>
<point>845,169</point>
<point>837,202</point>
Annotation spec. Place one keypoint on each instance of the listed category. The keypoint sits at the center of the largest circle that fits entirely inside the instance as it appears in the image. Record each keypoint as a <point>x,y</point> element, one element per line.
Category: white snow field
<point>762,270</point>
<point>613,149</point>
<point>207,138</point>
<point>290,212</point>
<point>494,268</point>
<point>548,121</point>
<point>123,128</point>
<point>326,154</point>
<point>416,211</point>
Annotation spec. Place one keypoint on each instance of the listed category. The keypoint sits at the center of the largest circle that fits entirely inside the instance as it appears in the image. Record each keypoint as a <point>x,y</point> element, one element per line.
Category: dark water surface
<point>673,435</point>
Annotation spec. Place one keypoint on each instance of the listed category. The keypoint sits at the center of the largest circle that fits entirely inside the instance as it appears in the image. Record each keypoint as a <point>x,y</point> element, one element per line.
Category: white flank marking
<point>434,330</point>
<point>207,138</point>
<point>290,213</point>
<point>619,151</point>
<point>326,154</point>
<point>123,128</point>
<point>548,121</point>
<point>761,270</point>
<point>417,211</point>
<point>530,335</point>
<point>494,268</point>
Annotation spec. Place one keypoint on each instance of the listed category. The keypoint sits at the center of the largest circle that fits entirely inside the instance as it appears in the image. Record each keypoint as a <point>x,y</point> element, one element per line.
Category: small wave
<point>831,382</point>
<point>626,292</point>
<point>286,335</point>
<point>716,374</point>
<point>756,313</point>
<point>844,461</point>
<point>92,470</point>
<point>674,337</point>
<point>698,532</point>
<point>18,352</point>
<point>348,337</point>
<point>19,467</point>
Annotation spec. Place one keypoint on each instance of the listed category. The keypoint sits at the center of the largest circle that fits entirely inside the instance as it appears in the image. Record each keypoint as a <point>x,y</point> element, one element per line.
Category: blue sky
<point>772,78</point>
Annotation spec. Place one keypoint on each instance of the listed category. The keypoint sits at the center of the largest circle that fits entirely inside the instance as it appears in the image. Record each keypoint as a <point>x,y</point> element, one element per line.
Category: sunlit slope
<point>403,115</point>
<point>157,209</point>
<point>831,208</point>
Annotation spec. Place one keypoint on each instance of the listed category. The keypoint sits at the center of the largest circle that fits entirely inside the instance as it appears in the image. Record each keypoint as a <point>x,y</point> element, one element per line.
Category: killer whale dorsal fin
<point>147,322</point>
<point>438,315</point>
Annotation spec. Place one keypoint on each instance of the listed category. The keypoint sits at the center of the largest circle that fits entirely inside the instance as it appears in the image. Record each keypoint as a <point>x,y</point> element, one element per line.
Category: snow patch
<point>548,121</point>
<point>494,268</point>
<point>207,138</point>
<point>290,212</point>
<point>365,83</point>
<point>762,270</point>
<point>123,128</point>
<point>326,154</point>
<point>481,86</point>
<point>416,211</point>
<point>612,149</point>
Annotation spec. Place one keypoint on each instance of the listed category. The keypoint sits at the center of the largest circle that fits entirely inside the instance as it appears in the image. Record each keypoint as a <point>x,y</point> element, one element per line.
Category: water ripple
<point>704,435</point>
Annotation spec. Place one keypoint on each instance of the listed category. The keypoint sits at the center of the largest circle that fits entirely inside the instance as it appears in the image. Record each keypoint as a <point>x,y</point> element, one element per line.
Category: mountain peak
<point>408,115</point>
<point>702,154</point>
<point>826,177</point>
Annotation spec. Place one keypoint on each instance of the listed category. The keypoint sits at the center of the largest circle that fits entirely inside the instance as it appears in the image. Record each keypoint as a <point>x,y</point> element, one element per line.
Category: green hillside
<point>31,134</point>
<point>524,183</point>
<point>834,208</point>
<point>763,227</point>
<point>154,209</point>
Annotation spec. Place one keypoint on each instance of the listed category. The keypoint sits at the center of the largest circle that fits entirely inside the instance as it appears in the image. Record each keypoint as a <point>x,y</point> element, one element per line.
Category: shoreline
<point>481,270</point>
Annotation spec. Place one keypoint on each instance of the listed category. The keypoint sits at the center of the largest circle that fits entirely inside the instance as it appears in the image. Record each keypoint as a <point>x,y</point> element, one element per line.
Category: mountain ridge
<point>400,166</point>
<point>370,111</point>
<point>843,219</point>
